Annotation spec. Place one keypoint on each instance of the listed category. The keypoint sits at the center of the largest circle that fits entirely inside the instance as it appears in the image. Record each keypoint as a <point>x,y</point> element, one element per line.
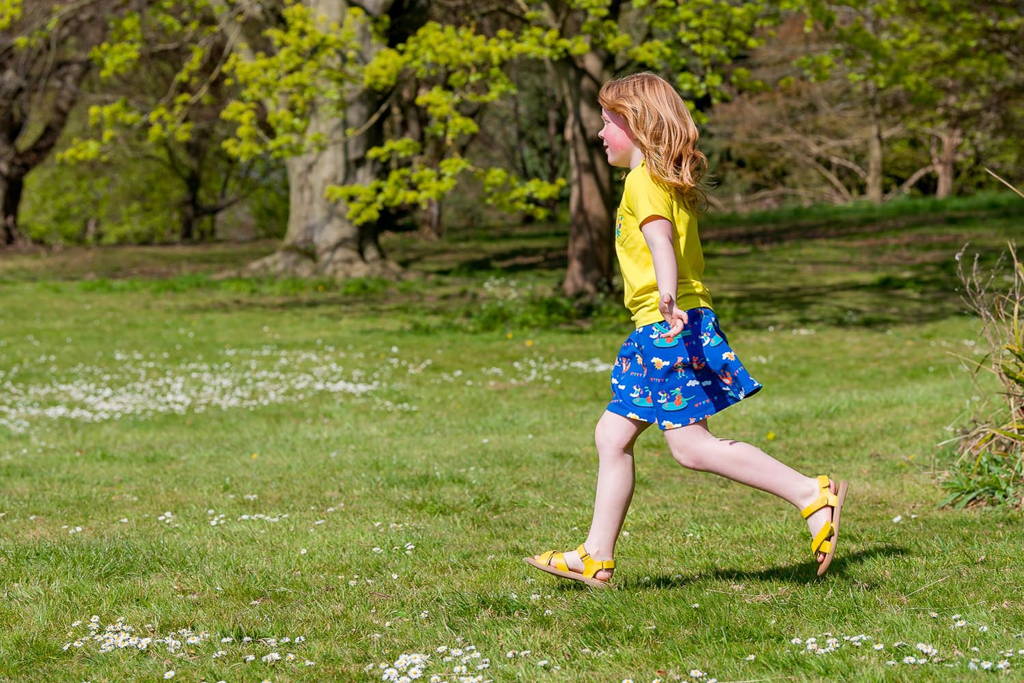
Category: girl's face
<point>618,141</point>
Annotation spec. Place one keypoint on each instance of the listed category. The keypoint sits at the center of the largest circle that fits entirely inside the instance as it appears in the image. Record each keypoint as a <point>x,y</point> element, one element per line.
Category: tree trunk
<point>945,162</point>
<point>190,210</point>
<point>10,200</point>
<point>320,239</point>
<point>590,267</point>
<point>431,225</point>
<point>874,179</point>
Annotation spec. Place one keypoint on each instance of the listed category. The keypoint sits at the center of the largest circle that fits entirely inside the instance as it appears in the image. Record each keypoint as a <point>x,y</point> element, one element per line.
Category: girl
<point>677,368</point>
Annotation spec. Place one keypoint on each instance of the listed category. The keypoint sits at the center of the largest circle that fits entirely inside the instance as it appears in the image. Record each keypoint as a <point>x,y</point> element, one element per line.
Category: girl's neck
<point>636,159</point>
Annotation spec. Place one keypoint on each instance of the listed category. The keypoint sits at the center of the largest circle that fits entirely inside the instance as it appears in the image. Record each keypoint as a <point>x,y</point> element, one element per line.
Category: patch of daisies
<point>916,654</point>
<point>95,637</point>
<point>141,385</point>
<point>462,663</point>
<point>134,384</point>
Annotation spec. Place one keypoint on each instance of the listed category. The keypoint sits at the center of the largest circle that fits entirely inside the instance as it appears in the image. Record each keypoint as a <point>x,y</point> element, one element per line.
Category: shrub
<point>989,463</point>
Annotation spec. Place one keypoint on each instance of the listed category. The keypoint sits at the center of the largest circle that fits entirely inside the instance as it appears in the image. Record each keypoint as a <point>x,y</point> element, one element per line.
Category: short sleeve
<point>647,198</point>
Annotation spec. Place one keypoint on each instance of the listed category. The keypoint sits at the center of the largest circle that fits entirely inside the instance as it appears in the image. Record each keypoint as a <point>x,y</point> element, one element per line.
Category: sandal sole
<point>575,576</point>
<point>841,493</point>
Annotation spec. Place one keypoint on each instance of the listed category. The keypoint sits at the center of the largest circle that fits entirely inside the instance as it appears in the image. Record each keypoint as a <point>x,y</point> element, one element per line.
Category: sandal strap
<point>553,559</point>
<point>820,542</point>
<point>825,499</point>
<point>590,565</point>
<point>559,562</point>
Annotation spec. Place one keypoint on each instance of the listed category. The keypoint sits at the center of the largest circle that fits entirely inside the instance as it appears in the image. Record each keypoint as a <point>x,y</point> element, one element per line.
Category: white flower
<point>169,674</point>
<point>696,673</point>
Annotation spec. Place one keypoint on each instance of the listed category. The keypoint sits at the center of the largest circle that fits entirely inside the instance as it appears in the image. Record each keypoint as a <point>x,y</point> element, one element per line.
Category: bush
<point>989,463</point>
<point>507,305</point>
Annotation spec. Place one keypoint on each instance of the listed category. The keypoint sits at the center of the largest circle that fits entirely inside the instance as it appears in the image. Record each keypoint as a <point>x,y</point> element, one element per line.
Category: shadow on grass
<point>509,261</point>
<point>869,267</point>
<point>926,293</point>
<point>802,573</point>
<point>849,225</point>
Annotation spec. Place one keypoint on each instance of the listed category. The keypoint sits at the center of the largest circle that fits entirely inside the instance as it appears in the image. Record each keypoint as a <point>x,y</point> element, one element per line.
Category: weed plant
<point>989,466</point>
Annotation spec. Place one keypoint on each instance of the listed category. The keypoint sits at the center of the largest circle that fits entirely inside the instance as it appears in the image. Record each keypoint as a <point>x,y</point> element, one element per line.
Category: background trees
<point>874,98</point>
<point>361,117</point>
<point>44,58</point>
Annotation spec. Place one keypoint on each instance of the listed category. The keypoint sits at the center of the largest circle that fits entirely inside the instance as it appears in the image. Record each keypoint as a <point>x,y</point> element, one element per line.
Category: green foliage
<point>121,52</point>
<point>10,12</point>
<point>946,57</point>
<point>130,201</point>
<point>991,477</point>
<point>989,468</point>
<point>313,63</point>
<point>504,304</point>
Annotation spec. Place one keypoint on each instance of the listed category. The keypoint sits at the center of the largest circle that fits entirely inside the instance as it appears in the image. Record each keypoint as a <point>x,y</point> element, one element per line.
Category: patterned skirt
<point>678,381</point>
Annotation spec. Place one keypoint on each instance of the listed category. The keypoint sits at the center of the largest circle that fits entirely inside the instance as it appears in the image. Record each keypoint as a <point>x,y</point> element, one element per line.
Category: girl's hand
<point>675,317</point>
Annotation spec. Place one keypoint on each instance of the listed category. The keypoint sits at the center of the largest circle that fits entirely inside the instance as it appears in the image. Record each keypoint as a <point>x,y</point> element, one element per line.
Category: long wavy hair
<point>663,130</point>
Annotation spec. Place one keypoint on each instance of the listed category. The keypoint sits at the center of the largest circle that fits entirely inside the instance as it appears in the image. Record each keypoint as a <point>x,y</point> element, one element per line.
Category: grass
<point>242,402</point>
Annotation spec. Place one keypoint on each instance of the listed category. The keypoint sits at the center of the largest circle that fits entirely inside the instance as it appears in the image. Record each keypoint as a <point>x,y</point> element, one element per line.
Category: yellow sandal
<point>828,536</point>
<point>554,563</point>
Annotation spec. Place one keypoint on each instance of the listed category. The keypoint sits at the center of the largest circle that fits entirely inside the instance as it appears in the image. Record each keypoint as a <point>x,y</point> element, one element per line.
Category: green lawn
<point>359,468</point>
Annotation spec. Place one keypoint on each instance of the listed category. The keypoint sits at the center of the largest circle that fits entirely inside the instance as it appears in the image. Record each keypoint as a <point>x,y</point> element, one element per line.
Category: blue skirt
<point>678,381</point>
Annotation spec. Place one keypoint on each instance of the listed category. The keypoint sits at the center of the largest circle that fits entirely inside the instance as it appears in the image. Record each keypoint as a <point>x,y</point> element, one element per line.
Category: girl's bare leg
<point>614,437</point>
<point>696,448</point>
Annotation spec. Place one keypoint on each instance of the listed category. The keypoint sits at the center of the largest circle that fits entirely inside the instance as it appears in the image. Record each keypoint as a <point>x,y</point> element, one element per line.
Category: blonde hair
<point>663,130</point>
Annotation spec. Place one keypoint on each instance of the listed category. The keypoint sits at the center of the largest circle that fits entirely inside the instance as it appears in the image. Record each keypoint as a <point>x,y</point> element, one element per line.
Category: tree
<point>939,67</point>
<point>693,43</point>
<point>370,106</point>
<point>44,59</point>
<point>159,93</point>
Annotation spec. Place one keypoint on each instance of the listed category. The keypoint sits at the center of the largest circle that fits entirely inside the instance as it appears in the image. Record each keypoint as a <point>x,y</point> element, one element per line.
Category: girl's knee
<point>689,455</point>
<point>689,458</point>
<point>610,441</point>
<point>689,445</point>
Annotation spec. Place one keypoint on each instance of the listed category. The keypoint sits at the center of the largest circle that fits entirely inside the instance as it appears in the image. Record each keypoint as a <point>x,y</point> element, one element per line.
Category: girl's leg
<point>614,437</point>
<point>696,448</point>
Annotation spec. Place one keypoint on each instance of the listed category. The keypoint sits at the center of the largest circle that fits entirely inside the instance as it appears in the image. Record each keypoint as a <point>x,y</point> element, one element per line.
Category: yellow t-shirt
<point>641,198</point>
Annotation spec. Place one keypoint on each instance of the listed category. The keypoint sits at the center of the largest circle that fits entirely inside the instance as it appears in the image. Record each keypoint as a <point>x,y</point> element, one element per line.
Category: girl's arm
<point>658,232</point>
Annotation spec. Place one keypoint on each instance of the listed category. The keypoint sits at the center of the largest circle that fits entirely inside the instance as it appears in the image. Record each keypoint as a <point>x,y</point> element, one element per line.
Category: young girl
<point>677,368</point>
